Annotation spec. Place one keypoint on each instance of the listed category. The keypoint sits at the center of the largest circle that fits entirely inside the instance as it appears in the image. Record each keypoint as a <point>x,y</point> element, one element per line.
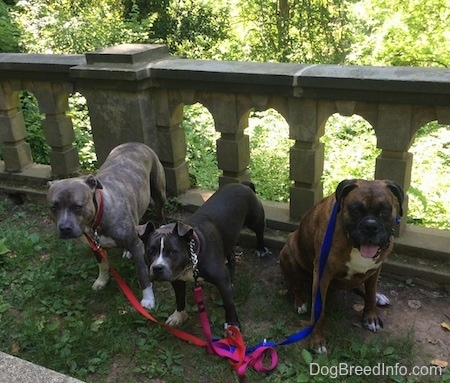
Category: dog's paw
<point>148,298</point>
<point>100,282</point>
<point>318,345</point>
<point>382,300</point>
<point>227,325</point>
<point>373,323</point>
<point>127,255</point>
<point>302,309</point>
<point>261,253</point>
<point>177,318</point>
<point>103,276</point>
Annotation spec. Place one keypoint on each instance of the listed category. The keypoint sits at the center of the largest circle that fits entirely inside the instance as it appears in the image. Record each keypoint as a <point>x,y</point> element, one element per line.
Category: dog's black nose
<point>65,231</point>
<point>158,269</point>
<point>370,227</point>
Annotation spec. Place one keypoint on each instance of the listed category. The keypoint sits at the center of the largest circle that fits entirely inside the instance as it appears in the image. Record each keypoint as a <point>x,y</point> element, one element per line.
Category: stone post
<point>116,83</point>
<point>233,146</point>
<point>306,155</point>
<point>16,152</point>
<point>53,100</point>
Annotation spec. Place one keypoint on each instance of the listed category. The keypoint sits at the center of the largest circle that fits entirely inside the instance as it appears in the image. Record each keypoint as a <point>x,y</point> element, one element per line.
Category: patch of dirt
<point>421,308</point>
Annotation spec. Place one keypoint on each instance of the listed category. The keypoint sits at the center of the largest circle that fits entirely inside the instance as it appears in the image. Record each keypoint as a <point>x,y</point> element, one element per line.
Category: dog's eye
<point>53,208</point>
<point>385,214</point>
<point>77,208</point>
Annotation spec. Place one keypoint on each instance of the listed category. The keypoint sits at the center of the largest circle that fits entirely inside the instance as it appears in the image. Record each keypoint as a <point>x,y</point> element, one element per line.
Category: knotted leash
<point>232,346</point>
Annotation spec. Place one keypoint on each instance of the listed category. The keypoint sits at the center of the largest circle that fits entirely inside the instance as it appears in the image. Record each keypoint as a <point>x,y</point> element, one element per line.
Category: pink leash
<point>232,346</point>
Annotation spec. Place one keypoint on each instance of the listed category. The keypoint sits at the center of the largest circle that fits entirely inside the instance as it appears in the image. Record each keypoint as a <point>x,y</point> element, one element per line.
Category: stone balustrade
<point>137,93</point>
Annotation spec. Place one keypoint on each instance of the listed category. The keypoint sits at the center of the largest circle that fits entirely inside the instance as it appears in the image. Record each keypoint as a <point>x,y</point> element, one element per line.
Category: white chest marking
<point>359,265</point>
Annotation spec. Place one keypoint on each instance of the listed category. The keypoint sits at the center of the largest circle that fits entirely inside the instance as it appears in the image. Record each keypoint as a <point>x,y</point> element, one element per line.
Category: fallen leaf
<point>445,325</point>
<point>358,307</point>
<point>439,363</point>
<point>414,304</point>
<point>15,348</point>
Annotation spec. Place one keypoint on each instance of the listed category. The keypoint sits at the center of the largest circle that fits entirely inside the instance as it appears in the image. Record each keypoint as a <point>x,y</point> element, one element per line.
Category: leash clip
<point>96,239</point>
<point>194,260</point>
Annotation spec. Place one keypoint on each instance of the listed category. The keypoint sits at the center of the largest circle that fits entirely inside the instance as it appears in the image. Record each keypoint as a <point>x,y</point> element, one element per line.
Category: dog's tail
<point>250,184</point>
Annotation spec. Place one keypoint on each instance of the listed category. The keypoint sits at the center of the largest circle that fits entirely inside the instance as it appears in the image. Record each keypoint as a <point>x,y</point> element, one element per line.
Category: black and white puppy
<point>212,232</point>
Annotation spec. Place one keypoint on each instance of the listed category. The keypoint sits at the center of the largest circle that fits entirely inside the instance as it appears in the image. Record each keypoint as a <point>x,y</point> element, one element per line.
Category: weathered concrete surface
<point>15,370</point>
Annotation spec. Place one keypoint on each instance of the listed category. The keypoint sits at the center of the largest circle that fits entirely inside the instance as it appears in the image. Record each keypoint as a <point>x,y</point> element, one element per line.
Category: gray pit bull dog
<point>212,231</point>
<point>130,179</point>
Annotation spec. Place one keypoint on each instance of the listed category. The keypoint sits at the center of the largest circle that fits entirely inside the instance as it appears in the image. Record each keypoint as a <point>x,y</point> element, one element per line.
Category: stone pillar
<point>53,100</point>
<point>394,136</point>
<point>116,84</point>
<point>16,152</point>
<point>233,146</point>
<point>168,112</point>
<point>306,155</point>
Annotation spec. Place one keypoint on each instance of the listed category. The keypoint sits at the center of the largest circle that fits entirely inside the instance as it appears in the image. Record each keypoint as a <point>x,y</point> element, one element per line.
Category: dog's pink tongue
<point>369,250</point>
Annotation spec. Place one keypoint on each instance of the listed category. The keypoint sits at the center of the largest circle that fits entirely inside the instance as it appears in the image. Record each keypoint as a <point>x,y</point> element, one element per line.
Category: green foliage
<point>201,147</point>
<point>269,158</point>
<point>293,31</point>
<point>411,33</point>
<point>9,32</point>
<point>197,27</point>
<point>83,134</point>
<point>68,26</point>
<point>33,122</point>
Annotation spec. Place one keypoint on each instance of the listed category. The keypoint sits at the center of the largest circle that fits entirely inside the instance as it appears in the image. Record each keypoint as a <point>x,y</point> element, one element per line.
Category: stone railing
<point>137,93</point>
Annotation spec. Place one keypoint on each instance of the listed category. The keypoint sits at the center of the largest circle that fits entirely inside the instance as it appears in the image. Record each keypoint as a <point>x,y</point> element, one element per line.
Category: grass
<point>50,316</point>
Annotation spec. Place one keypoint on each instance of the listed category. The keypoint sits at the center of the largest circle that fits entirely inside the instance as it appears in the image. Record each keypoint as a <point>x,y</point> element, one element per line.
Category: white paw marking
<point>372,326</point>
<point>177,318</point>
<point>127,255</point>
<point>302,309</point>
<point>148,298</point>
<point>103,276</point>
<point>321,350</point>
<point>382,300</point>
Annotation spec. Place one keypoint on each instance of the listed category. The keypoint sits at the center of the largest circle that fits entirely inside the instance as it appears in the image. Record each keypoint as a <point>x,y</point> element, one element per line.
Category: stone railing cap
<point>127,54</point>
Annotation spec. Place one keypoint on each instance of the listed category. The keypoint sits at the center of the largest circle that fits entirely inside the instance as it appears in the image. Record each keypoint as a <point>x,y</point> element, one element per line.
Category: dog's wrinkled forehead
<point>68,191</point>
<point>163,231</point>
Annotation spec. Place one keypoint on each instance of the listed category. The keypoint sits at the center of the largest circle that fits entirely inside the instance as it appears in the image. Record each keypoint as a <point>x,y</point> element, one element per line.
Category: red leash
<point>231,347</point>
<point>136,304</point>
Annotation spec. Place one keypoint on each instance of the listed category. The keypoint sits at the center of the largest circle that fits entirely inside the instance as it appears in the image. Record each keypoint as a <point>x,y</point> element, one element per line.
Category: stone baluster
<point>306,119</point>
<point>53,100</point>
<point>16,152</point>
<point>233,147</point>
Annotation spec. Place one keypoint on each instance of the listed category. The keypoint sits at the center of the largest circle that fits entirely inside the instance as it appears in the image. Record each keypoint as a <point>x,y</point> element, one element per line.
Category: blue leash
<point>302,334</point>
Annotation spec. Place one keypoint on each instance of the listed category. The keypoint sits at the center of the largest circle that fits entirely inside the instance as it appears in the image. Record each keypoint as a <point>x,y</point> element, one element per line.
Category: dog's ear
<point>183,230</point>
<point>145,230</point>
<point>396,189</point>
<point>93,182</point>
<point>343,189</point>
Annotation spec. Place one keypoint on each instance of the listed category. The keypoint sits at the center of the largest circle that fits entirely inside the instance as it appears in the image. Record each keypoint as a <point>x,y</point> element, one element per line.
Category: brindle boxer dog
<point>129,180</point>
<point>367,214</point>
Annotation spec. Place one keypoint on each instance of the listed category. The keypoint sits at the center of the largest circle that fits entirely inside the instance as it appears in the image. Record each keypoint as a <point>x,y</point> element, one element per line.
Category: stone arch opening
<point>429,191</point>
<point>268,132</point>
<point>201,151</point>
<point>78,112</point>
<point>350,150</point>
